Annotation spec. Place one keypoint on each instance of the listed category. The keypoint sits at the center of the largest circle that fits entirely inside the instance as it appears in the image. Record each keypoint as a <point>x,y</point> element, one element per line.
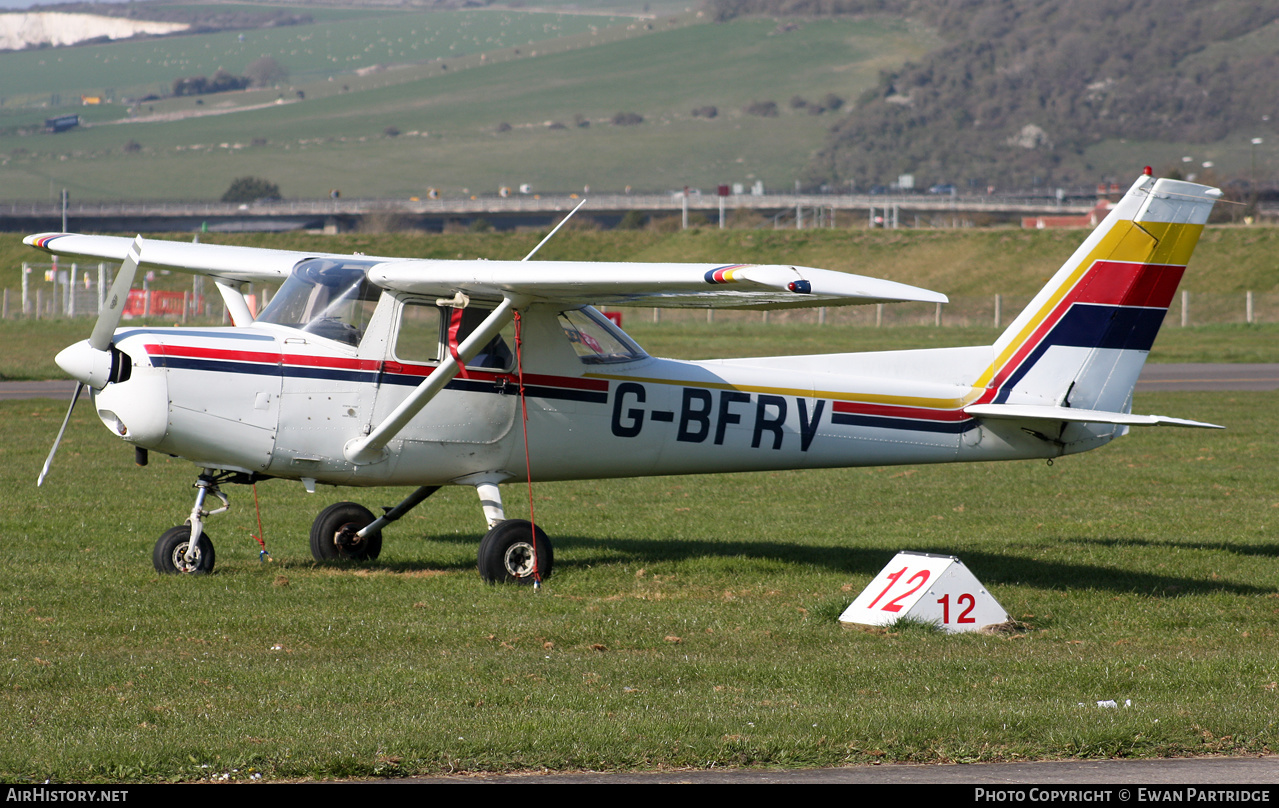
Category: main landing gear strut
<point>509,552</point>
<point>512,551</point>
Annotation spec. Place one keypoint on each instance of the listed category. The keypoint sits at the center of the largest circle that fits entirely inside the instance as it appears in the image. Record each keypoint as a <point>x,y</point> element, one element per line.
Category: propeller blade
<point>44,472</point>
<point>104,329</point>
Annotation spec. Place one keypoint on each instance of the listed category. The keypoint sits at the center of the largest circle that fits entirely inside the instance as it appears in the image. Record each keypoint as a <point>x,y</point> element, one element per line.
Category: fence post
<point>4,313</point>
<point>102,286</point>
<point>1185,308</point>
<point>657,315</point>
<point>1248,307</point>
<point>937,316</point>
<point>39,301</point>
<point>26,291</point>
<point>71,290</point>
<point>879,314</point>
<point>186,302</point>
<point>821,315</point>
<point>710,315</point>
<point>999,304</point>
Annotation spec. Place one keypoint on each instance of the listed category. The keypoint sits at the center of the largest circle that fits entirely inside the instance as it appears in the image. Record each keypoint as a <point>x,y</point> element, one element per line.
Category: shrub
<point>633,220</point>
<point>707,111</point>
<point>251,189</point>
<point>764,109</point>
<point>627,119</point>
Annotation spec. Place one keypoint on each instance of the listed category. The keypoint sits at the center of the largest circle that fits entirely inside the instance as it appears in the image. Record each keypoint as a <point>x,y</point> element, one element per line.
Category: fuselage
<point>281,402</point>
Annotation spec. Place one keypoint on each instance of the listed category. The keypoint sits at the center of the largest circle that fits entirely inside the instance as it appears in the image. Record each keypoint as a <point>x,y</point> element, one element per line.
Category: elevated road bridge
<point>521,210</point>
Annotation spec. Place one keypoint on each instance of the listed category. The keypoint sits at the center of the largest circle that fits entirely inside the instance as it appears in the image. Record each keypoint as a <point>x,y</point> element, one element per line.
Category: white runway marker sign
<point>926,588</point>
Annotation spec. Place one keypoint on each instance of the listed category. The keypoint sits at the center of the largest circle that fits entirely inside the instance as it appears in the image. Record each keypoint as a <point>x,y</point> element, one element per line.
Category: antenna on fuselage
<point>556,230</point>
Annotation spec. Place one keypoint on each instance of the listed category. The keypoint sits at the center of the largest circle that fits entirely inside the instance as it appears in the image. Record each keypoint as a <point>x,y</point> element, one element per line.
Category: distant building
<point>1090,219</point>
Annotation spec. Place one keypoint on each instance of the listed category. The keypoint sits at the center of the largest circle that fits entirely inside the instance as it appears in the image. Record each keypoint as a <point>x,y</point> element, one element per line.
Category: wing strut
<point>563,222</point>
<point>236,307</point>
<point>369,449</point>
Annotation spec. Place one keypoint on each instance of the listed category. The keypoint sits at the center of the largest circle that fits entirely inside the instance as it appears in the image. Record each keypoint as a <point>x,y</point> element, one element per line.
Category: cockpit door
<point>478,406</point>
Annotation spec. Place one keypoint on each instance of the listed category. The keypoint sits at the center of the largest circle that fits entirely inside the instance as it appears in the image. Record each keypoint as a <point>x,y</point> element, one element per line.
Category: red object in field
<point>615,316</point>
<point>163,304</point>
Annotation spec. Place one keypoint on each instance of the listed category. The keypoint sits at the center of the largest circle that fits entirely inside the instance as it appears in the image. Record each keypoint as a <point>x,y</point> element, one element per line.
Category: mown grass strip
<point>691,621</point>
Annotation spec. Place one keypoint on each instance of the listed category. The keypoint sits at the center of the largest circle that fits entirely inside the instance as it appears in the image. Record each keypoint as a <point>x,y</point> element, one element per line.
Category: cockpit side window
<point>326,297</point>
<point>418,337</point>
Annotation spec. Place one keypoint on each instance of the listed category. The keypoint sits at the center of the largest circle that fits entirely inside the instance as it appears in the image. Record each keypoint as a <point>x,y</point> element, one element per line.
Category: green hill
<point>501,112</point>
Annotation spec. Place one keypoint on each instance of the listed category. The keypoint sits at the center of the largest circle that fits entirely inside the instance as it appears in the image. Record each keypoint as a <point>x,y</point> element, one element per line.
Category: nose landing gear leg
<point>187,549</point>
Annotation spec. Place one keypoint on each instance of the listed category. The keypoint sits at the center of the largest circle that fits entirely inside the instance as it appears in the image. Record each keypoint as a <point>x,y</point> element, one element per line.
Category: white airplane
<point>367,371</point>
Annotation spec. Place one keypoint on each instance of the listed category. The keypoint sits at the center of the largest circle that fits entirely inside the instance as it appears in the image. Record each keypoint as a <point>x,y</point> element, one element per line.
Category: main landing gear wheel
<point>169,556</point>
<point>506,553</point>
<point>333,534</point>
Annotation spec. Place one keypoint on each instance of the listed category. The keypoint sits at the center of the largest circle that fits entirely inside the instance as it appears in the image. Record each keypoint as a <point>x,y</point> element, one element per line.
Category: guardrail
<point>546,203</point>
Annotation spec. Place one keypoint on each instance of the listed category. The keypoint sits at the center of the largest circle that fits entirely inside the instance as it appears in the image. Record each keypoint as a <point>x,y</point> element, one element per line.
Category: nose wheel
<point>173,554</point>
<point>187,549</point>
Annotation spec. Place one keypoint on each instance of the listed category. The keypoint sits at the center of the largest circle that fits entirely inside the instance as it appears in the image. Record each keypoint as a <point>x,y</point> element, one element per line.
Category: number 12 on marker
<point>965,616</point>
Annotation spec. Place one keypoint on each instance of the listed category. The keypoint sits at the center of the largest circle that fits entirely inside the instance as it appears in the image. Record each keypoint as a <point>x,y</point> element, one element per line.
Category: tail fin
<point>1082,341</point>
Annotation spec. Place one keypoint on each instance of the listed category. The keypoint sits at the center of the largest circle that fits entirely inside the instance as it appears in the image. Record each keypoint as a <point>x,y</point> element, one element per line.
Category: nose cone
<point>84,363</point>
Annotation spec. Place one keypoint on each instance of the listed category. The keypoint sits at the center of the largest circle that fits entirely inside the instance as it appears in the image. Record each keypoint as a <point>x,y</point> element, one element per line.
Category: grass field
<point>340,41</point>
<point>449,119</point>
<point>690,621</point>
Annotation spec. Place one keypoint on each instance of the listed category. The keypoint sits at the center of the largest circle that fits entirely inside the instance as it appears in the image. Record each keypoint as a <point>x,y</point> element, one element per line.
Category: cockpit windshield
<point>327,297</point>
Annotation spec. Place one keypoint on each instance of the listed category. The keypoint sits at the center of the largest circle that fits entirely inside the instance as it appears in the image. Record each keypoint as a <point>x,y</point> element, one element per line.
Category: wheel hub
<point>347,538</point>
<point>180,558</point>
<point>519,559</point>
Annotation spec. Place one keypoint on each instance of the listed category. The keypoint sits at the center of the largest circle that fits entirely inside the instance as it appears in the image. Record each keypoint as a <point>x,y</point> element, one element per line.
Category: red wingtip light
<point>1148,172</point>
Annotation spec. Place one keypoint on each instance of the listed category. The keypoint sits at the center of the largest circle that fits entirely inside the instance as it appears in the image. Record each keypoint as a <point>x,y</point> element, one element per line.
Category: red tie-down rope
<point>261,535</point>
<point>528,469</point>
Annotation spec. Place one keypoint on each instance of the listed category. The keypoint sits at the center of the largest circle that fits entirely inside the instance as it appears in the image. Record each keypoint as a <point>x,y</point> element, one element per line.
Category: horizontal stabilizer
<point>1033,412</point>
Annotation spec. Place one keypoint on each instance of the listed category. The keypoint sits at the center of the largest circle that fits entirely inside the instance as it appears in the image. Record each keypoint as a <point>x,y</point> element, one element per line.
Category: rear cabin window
<point>596,340</point>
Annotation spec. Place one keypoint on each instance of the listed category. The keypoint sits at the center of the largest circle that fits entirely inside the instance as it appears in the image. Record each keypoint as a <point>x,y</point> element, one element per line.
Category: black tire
<point>333,534</point>
<point>168,556</point>
<point>506,553</point>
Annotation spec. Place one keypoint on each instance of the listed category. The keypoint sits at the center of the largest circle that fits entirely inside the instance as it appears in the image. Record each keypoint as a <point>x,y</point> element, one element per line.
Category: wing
<point>217,261</point>
<point>733,286</point>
